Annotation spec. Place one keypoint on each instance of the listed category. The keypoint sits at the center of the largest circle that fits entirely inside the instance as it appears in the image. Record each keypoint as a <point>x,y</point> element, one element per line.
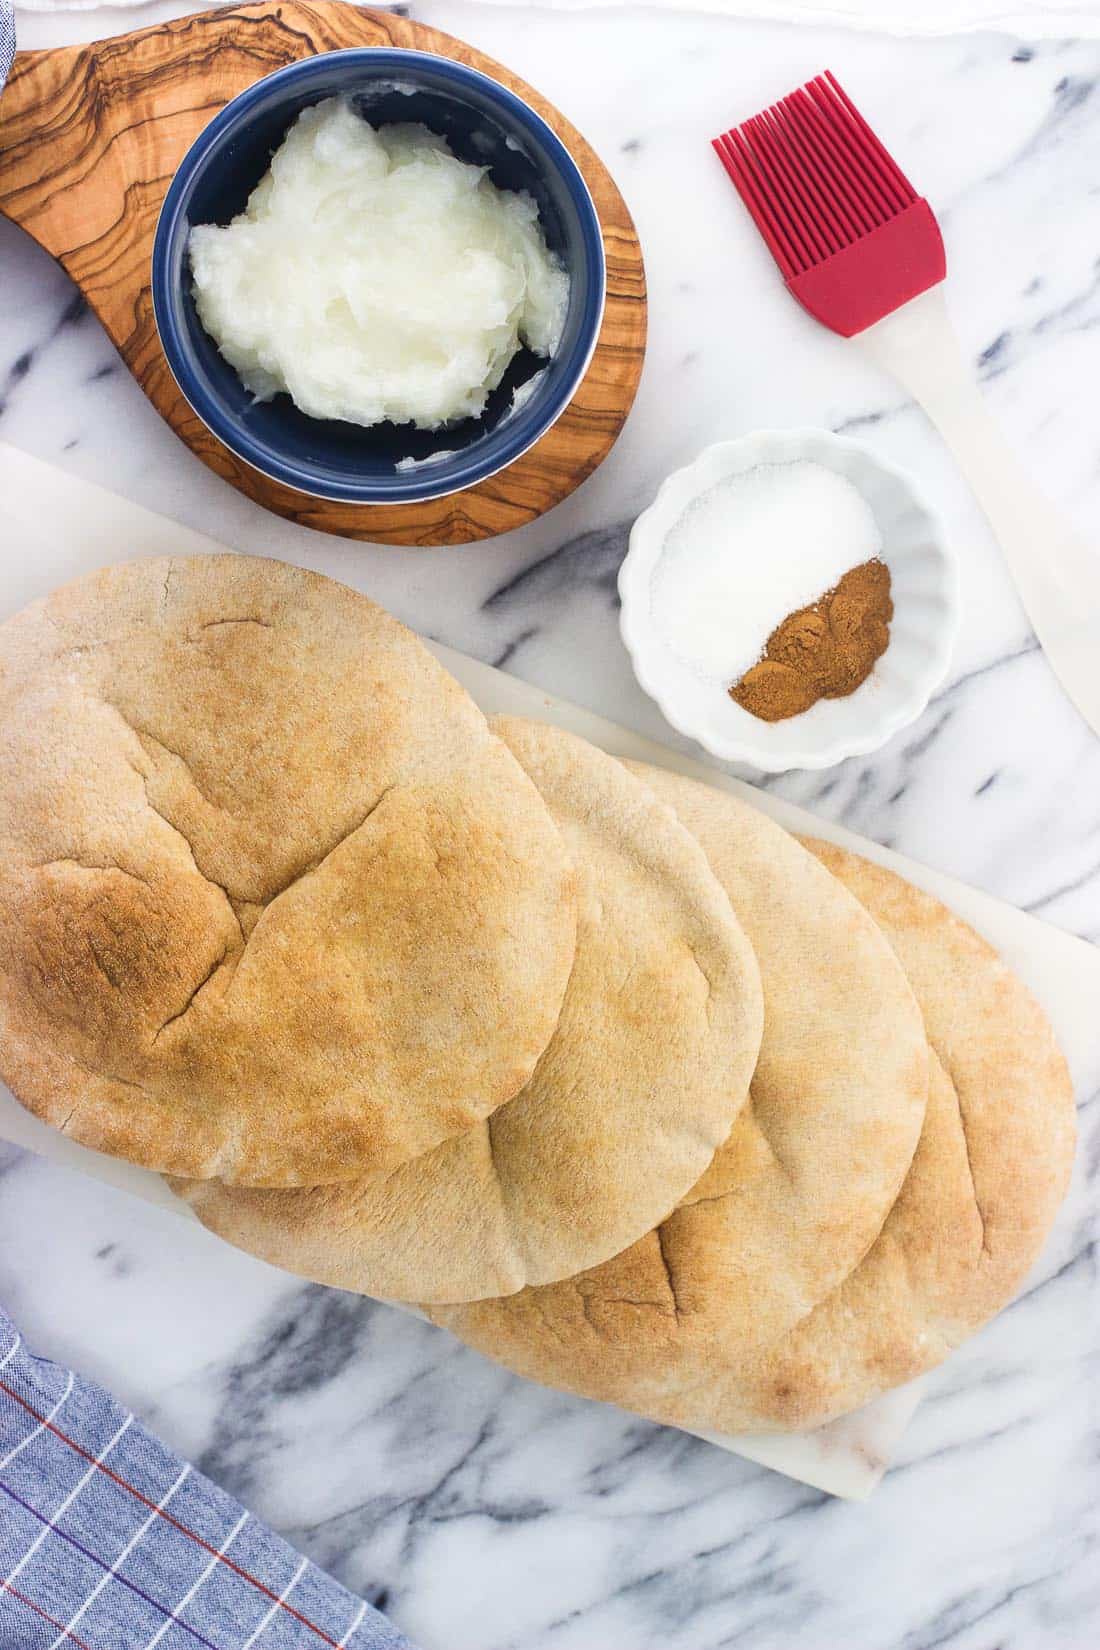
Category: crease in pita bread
<point>798,1192</point>
<point>989,1172</point>
<point>274,903</point>
<point>646,1071</point>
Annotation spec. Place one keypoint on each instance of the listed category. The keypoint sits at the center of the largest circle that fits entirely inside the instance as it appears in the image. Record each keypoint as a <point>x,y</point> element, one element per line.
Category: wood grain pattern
<point>89,141</point>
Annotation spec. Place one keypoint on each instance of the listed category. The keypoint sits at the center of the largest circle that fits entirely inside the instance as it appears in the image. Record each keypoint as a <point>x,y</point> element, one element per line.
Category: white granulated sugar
<point>750,551</point>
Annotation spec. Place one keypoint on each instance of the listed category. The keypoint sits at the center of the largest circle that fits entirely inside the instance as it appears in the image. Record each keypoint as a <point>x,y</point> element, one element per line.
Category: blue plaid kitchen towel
<point>7,39</point>
<point>109,1541</point>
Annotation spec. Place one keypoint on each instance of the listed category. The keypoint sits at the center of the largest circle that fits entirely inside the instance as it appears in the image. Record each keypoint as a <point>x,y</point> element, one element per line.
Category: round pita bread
<point>650,1063</point>
<point>992,1167</point>
<point>812,1166</point>
<point>274,902</point>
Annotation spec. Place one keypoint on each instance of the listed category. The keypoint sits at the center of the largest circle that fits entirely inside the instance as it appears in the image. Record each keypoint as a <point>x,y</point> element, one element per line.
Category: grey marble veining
<point>484,1513</point>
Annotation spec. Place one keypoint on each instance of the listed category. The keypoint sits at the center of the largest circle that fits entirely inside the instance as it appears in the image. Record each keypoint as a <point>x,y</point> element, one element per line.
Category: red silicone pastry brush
<point>862,252</point>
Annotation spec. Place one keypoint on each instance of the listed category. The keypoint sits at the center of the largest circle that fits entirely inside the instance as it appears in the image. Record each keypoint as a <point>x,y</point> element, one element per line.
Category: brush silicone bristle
<point>820,185</point>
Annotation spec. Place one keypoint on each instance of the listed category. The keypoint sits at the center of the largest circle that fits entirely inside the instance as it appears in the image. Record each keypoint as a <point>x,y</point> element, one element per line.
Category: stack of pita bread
<point>611,1075</point>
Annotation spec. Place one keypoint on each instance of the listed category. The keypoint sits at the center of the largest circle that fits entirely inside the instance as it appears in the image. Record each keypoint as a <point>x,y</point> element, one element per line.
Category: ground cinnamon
<point>824,651</point>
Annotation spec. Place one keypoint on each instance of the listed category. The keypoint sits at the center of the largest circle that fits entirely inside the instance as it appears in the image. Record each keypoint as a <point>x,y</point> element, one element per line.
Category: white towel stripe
<point>359,1614</point>
<point>41,1427</point>
<point>67,1503</point>
<point>283,1596</point>
<point>119,1561</point>
<point>178,1609</point>
<point>12,1350</point>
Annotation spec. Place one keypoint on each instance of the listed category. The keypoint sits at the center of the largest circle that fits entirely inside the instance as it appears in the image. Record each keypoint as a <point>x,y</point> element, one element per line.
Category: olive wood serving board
<point>89,141</point>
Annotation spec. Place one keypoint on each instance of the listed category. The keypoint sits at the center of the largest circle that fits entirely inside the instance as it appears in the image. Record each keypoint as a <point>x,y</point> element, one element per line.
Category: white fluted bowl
<point>922,633</point>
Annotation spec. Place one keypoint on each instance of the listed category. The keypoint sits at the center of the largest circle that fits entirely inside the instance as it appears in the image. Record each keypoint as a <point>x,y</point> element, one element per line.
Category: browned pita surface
<point>992,1166</point>
<point>991,1169</point>
<point>649,1065</point>
<point>799,1192</point>
<point>274,902</point>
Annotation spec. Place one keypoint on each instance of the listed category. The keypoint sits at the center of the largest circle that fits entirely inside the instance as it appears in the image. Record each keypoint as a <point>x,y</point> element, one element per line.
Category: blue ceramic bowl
<point>483,122</point>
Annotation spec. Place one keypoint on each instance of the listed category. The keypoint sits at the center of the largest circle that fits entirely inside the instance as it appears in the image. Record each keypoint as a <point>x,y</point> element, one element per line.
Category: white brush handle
<point>1056,573</point>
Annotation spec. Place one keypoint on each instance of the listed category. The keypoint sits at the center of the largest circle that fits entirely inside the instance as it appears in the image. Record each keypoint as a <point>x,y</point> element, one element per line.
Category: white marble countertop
<point>483,1512</point>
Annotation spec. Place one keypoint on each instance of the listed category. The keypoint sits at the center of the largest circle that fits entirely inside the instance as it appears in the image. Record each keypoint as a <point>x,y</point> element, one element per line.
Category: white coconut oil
<point>373,275</point>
